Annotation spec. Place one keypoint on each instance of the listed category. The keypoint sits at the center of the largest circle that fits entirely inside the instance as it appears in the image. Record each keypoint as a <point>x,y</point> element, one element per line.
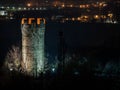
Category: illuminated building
<point>33,47</point>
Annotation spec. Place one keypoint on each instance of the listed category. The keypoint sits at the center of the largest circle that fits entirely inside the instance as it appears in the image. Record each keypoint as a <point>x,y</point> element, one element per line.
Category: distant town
<point>99,11</point>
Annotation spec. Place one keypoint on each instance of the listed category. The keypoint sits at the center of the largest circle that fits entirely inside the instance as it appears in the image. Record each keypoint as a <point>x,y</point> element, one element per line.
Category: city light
<point>73,19</point>
<point>29,4</point>
<point>28,8</point>
<point>94,10</point>
<point>110,15</point>
<point>25,8</point>
<point>96,16</point>
<point>63,5</point>
<point>33,8</point>
<point>36,8</point>
<point>19,8</point>
<point>13,7</point>
<point>78,18</point>
<point>71,5</point>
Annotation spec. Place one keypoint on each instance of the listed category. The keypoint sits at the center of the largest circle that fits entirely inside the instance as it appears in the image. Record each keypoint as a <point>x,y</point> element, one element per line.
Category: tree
<point>13,59</point>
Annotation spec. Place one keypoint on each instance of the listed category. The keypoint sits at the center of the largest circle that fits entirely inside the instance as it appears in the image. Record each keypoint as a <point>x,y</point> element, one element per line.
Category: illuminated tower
<point>33,35</point>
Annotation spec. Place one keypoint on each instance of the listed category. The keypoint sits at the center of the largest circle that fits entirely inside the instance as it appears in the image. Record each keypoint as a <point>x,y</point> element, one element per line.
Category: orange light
<point>71,5</point>
<point>32,20</point>
<point>110,15</point>
<point>28,4</point>
<point>23,20</point>
<point>96,17</point>
<point>63,5</point>
<point>73,19</point>
<point>78,18</point>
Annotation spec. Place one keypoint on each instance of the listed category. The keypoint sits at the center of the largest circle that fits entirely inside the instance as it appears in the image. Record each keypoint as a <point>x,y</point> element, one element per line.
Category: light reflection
<point>19,8</point>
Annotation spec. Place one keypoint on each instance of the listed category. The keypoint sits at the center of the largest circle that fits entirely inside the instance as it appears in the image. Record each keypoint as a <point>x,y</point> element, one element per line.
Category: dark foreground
<point>58,82</point>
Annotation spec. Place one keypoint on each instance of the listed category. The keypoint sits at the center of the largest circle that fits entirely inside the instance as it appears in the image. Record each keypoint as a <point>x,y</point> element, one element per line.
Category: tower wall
<point>33,53</point>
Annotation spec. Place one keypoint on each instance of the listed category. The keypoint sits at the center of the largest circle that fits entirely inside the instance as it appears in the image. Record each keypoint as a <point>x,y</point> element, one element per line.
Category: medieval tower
<point>33,53</point>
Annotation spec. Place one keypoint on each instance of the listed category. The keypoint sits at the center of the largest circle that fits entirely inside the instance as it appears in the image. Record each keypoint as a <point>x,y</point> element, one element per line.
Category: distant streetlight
<point>96,17</point>
<point>19,8</point>
<point>13,7</point>
<point>71,5</point>
<point>25,8</point>
<point>36,8</point>
<point>78,18</point>
<point>28,4</point>
<point>63,5</point>
<point>73,19</point>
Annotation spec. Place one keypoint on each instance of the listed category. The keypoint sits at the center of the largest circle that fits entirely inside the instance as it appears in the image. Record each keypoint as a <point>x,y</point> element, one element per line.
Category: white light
<point>36,8</point>
<point>3,13</point>
<point>33,9</point>
<point>2,7</point>
<point>11,69</point>
<point>115,21</point>
<point>63,5</point>
<point>44,8</point>
<point>28,8</point>
<point>53,69</point>
<point>19,8</point>
<point>24,8</point>
<point>13,7</point>
<point>28,4</point>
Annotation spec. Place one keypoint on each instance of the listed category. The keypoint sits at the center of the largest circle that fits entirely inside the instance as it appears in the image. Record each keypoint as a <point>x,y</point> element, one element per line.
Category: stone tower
<point>33,35</point>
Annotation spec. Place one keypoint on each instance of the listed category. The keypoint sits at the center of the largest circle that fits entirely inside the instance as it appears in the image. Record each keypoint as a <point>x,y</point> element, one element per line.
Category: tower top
<point>32,20</point>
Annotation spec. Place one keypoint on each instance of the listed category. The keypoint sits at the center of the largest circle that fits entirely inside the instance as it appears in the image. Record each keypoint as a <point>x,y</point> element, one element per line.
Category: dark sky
<point>12,1</point>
